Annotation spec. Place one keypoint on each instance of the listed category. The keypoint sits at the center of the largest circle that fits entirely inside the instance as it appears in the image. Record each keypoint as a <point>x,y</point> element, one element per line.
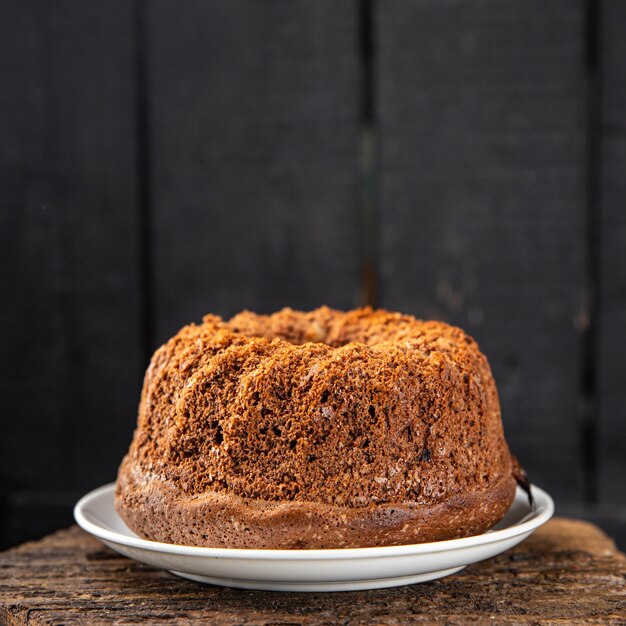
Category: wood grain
<point>254,117</point>
<point>568,571</point>
<point>69,354</point>
<point>482,154</point>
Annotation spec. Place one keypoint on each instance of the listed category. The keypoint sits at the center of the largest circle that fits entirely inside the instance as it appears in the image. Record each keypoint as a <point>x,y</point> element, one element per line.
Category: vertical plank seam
<point>368,138</point>
<point>144,180</point>
<point>592,270</point>
<point>68,290</point>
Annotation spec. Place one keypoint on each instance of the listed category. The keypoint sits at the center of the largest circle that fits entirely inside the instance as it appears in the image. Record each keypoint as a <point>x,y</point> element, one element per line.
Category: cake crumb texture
<point>316,429</point>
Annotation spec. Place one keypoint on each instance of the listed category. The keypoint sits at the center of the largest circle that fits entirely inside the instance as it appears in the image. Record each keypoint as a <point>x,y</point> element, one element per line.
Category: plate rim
<point>544,510</point>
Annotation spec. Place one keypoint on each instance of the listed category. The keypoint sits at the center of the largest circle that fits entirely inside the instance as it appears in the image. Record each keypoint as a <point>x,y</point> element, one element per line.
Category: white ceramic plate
<point>313,570</point>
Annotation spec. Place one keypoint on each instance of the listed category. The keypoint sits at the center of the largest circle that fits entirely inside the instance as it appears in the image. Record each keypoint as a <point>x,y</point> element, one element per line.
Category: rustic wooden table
<point>569,571</point>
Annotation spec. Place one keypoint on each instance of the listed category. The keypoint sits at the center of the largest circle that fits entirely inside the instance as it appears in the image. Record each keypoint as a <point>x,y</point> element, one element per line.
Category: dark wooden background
<point>455,159</point>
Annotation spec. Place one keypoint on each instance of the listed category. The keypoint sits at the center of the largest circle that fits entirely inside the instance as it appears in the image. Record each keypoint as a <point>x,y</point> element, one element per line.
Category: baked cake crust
<point>316,430</point>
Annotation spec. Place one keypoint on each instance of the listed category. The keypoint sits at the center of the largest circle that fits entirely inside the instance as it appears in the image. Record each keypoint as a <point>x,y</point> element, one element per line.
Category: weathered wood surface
<point>254,110</point>
<point>569,571</point>
<point>482,199</point>
<point>70,354</point>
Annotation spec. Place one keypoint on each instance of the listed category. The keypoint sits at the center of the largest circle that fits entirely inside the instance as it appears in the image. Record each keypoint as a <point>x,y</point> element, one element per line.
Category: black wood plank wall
<point>482,201</point>
<point>255,159</point>
<point>456,159</point>
<point>69,279</point>
<point>610,244</point>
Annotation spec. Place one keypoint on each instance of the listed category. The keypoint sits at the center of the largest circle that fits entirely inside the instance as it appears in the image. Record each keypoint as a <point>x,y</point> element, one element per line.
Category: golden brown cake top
<point>353,408</point>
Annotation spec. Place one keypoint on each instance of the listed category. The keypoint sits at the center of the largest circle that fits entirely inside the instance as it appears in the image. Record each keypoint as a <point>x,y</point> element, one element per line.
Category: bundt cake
<point>323,429</point>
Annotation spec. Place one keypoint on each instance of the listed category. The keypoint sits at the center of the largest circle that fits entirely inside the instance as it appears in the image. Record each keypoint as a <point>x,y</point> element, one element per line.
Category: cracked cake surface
<point>320,429</point>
